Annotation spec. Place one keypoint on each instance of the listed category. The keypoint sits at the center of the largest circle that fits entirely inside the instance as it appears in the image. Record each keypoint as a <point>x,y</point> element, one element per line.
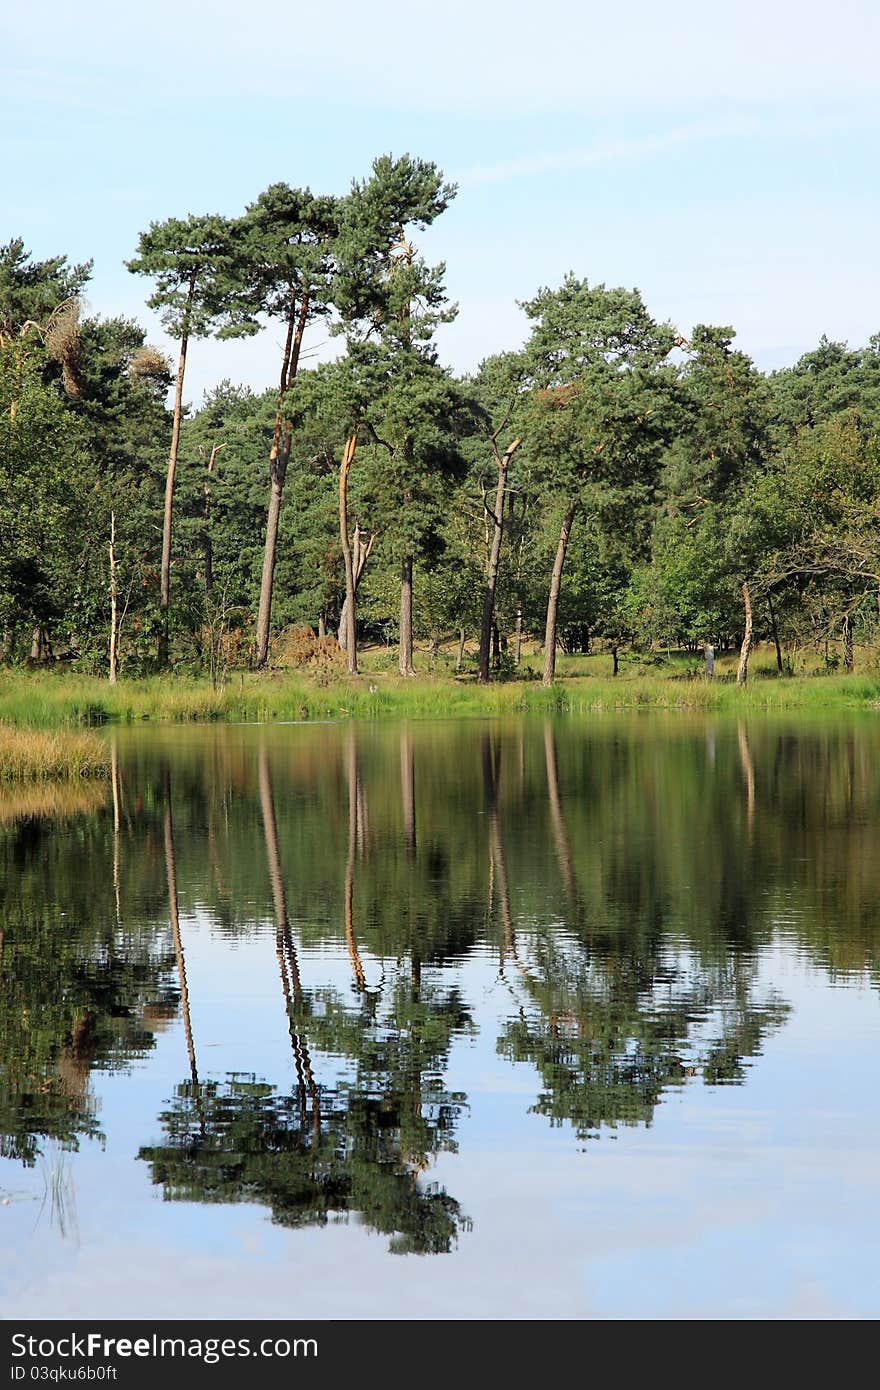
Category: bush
<point>298,648</point>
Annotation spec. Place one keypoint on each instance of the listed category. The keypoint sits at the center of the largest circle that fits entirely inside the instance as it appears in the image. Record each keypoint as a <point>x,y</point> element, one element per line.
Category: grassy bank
<point>39,755</point>
<point>49,700</point>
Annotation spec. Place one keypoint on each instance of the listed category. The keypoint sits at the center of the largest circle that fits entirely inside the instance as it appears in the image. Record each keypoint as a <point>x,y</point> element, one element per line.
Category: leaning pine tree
<point>287,240</point>
<point>191,262</point>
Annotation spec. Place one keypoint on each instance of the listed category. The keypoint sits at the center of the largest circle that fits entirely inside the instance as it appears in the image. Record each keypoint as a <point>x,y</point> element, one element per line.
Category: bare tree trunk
<point>322,627</point>
<point>36,644</point>
<point>278,459</point>
<point>342,631</point>
<point>848,645</point>
<point>114,606</point>
<point>775,630</point>
<point>460,657</point>
<point>349,612</point>
<point>270,553</point>
<point>503,463</point>
<point>405,659</point>
<point>517,641</point>
<point>207,544</point>
<point>553,599</point>
<point>742,670</point>
<point>360,554</point>
<point>615,657</point>
<point>165,569</point>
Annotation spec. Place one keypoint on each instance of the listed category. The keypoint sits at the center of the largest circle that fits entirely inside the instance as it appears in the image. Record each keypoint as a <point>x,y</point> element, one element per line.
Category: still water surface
<point>573,1019</point>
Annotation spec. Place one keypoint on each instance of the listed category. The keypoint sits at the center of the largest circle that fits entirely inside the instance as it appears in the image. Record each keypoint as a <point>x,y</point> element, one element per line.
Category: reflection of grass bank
<point>50,798</point>
<point>35,755</point>
<point>51,700</point>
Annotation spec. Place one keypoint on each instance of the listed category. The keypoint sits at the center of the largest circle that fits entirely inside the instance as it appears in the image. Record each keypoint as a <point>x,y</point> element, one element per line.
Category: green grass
<point>37,754</point>
<point>52,700</point>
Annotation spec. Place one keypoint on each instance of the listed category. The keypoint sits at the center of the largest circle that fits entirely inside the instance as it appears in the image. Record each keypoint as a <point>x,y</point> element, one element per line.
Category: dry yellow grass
<point>37,754</point>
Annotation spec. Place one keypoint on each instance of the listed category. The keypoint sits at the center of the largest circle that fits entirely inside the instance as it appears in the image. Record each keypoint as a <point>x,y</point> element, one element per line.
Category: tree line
<point>610,482</point>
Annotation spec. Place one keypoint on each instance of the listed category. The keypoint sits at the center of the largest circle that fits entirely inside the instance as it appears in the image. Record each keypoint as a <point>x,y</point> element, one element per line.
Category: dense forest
<point>609,484</point>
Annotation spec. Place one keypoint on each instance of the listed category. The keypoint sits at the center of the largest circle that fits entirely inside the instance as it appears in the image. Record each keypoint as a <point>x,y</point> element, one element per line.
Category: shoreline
<point>54,700</point>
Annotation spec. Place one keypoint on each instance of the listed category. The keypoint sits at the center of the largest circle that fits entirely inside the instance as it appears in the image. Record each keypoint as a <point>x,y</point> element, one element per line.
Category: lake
<point>553,1019</point>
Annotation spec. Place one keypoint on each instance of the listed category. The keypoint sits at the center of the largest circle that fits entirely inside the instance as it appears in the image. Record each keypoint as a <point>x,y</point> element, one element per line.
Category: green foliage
<point>829,381</point>
<point>44,469</point>
<point>192,261</point>
<point>689,473</point>
<point>31,290</point>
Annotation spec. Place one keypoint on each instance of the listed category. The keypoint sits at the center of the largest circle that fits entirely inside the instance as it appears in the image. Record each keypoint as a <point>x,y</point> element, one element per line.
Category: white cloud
<point>735,127</point>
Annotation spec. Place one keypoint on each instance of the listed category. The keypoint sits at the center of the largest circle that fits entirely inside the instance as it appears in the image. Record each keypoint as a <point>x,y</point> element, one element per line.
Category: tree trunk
<point>553,599</point>
<point>278,459</point>
<point>848,645</point>
<point>616,659</point>
<point>342,631</point>
<point>488,618</point>
<point>460,657</point>
<point>775,631</point>
<point>348,621</point>
<point>207,544</point>
<point>270,553</point>
<point>165,569</point>
<point>360,554</point>
<point>322,627</point>
<point>517,643</point>
<point>405,660</point>
<point>36,644</point>
<point>742,670</point>
<point>114,606</point>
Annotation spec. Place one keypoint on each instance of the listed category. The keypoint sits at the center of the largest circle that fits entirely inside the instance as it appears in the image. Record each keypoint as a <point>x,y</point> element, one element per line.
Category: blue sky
<point>723,162</point>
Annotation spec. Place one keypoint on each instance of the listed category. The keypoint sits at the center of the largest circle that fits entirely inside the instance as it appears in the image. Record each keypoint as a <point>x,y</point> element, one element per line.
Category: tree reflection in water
<point>630,882</point>
<point>78,991</point>
<point>360,1146</point>
<point>610,1026</point>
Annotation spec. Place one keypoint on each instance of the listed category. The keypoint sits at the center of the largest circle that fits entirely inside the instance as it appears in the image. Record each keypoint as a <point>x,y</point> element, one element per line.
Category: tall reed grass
<point>62,700</point>
<point>37,755</point>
